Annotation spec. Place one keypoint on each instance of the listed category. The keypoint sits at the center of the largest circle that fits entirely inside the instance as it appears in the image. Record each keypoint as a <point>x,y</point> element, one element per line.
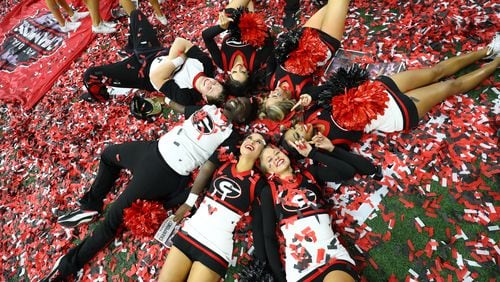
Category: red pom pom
<point>144,218</point>
<point>253,29</point>
<point>356,108</point>
<point>305,59</point>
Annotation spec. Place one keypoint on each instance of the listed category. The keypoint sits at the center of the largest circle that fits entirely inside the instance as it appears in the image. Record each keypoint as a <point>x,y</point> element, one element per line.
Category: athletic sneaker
<point>78,16</point>
<point>70,26</point>
<point>494,47</point>
<point>162,19</point>
<point>75,218</point>
<point>110,24</point>
<point>102,28</point>
<point>54,274</point>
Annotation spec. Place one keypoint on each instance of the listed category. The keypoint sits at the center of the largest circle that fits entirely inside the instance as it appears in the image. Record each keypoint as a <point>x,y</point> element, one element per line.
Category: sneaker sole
<point>76,220</point>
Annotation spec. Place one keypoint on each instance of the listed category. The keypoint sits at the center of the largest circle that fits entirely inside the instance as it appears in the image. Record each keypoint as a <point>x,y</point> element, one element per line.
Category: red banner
<point>34,51</point>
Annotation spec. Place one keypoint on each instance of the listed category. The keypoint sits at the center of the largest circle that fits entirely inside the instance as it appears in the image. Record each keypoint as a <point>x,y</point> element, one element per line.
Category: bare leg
<point>338,276</point>
<point>93,6</point>
<point>176,266</point>
<point>199,272</point>
<point>235,4</point>
<point>316,19</point>
<point>54,9</point>
<point>156,7</point>
<point>66,7</point>
<point>412,79</point>
<point>128,6</point>
<point>331,18</point>
<point>427,97</point>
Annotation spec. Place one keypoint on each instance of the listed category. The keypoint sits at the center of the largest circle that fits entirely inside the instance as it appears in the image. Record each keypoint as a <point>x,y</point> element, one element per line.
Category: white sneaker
<point>161,1</point>
<point>162,19</point>
<point>70,26</point>
<point>494,47</point>
<point>110,24</point>
<point>102,28</point>
<point>78,15</point>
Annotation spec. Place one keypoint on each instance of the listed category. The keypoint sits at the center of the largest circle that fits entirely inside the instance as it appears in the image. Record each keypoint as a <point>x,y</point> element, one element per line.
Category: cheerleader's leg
<point>331,18</point>
<point>200,272</point>
<point>413,79</point>
<point>426,97</point>
<point>176,266</point>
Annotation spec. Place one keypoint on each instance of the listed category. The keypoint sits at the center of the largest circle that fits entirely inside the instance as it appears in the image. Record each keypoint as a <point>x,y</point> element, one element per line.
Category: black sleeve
<point>196,53</point>
<point>314,91</point>
<point>264,55</point>
<point>227,147</point>
<point>338,169</point>
<point>257,231</point>
<point>362,165</point>
<point>189,110</point>
<point>183,96</point>
<point>208,36</point>
<point>269,220</point>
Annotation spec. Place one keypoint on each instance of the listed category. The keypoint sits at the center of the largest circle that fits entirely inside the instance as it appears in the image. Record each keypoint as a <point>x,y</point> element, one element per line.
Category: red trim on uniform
<point>225,204</point>
<point>196,77</point>
<point>233,58</point>
<point>320,270</point>
<point>401,105</point>
<point>203,249</point>
<point>242,174</point>
<point>303,215</point>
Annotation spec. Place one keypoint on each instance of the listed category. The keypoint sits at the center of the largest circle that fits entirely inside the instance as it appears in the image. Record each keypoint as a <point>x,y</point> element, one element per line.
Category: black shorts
<point>332,43</point>
<point>405,104</point>
<point>196,251</point>
<point>320,273</point>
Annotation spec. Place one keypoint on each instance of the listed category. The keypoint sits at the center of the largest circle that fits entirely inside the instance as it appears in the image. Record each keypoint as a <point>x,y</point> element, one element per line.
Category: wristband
<point>178,61</point>
<point>191,199</point>
<point>167,101</point>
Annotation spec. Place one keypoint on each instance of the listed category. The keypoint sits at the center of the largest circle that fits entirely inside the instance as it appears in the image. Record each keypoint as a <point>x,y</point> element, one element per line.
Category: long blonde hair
<point>278,111</point>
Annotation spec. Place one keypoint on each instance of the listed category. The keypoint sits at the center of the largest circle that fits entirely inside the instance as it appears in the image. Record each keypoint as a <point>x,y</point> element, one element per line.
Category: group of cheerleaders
<point>262,178</point>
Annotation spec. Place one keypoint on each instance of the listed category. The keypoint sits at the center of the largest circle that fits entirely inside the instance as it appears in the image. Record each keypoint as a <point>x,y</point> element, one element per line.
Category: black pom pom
<point>256,270</point>
<point>286,43</point>
<point>233,28</point>
<point>344,79</point>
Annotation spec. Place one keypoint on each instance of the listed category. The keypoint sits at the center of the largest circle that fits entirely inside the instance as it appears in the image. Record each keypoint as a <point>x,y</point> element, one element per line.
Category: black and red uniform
<point>207,236</point>
<point>133,72</point>
<point>297,207</point>
<point>300,84</point>
<point>253,58</point>
<point>322,120</point>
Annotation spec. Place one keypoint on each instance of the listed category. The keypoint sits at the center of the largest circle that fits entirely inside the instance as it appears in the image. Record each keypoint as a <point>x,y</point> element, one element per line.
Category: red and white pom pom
<point>253,29</point>
<point>144,218</point>
<point>305,59</point>
<point>357,107</point>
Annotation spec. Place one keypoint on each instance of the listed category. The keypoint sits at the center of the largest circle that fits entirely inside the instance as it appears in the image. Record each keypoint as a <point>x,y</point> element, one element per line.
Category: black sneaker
<point>55,274</point>
<point>378,175</point>
<point>73,219</point>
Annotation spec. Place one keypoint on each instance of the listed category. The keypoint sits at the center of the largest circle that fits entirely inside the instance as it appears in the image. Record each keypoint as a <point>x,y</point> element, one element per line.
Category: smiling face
<point>274,97</point>
<point>252,146</point>
<point>299,131</point>
<point>274,160</point>
<point>239,73</point>
<point>238,109</point>
<point>209,87</point>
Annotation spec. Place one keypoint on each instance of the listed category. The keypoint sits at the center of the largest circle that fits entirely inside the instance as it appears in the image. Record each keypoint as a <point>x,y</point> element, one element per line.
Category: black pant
<point>292,6</point>
<point>152,179</point>
<point>132,72</point>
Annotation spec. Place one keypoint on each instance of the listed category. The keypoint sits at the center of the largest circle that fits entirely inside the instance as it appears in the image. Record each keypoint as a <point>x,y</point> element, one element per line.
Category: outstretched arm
<point>270,239</point>
<point>200,182</point>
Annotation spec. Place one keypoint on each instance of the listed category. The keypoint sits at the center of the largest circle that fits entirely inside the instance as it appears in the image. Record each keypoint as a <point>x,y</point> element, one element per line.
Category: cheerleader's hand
<point>304,101</point>
<point>321,142</point>
<point>181,212</point>
<point>224,20</point>
<point>302,146</point>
